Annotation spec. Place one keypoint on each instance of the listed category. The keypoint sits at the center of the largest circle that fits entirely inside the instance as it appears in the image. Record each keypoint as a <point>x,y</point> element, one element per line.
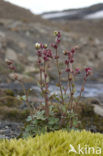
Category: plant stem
<point>83,84</point>
<point>27,100</point>
<point>46,92</point>
<point>59,75</point>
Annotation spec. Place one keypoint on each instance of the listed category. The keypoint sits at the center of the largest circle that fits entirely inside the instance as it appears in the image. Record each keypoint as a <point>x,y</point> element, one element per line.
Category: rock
<point>11,54</point>
<point>100,55</point>
<point>2,34</point>
<point>21,77</point>
<point>31,69</point>
<point>98,110</point>
<point>94,101</point>
<point>10,129</point>
<point>37,77</point>
<point>22,45</point>
<point>32,59</point>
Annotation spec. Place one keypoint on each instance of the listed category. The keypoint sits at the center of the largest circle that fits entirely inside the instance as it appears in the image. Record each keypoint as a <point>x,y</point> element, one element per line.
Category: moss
<point>89,119</point>
<point>13,114</point>
<point>9,92</point>
<point>9,101</point>
<point>53,144</point>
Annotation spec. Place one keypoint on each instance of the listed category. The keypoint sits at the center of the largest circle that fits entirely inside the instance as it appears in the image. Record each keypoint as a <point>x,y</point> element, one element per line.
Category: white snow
<point>58,14</point>
<point>95,15</point>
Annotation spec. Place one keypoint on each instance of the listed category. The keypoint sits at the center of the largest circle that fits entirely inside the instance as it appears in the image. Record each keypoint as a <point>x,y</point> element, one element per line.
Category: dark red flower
<point>66,62</point>
<point>88,71</point>
<point>54,46</point>
<point>67,70</point>
<point>39,53</point>
<point>72,60</point>
<point>46,58</point>
<point>73,50</point>
<point>77,71</point>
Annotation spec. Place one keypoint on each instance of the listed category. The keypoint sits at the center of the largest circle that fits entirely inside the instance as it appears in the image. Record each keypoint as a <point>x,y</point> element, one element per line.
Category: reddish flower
<point>88,71</point>
<point>66,62</point>
<point>72,60</point>
<point>59,35</point>
<point>54,46</point>
<point>73,51</point>
<point>67,70</point>
<point>49,53</point>
<point>41,46</point>
<point>70,55</point>
<point>39,53</point>
<point>46,58</point>
<point>58,40</point>
<point>77,71</point>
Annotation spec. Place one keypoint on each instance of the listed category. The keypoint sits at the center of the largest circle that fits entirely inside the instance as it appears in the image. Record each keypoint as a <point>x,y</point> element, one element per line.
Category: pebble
<point>9,129</point>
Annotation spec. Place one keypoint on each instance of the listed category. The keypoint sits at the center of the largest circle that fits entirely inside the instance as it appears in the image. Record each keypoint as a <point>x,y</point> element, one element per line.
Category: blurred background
<point>22,24</point>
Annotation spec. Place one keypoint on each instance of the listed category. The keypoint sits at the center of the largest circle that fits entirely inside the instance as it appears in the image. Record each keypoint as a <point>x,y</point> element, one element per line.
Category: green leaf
<point>29,118</point>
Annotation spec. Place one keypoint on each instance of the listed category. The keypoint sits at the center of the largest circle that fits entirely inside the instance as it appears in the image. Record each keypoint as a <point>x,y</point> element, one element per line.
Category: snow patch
<point>58,14</point>
<point>95,15</point>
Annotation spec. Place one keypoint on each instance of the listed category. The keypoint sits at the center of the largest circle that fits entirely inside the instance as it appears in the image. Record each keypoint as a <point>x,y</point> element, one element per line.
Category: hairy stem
<point>59,75</point>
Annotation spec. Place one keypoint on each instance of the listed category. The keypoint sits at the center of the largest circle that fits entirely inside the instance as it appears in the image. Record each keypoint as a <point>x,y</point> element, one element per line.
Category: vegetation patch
<point>58,143</point>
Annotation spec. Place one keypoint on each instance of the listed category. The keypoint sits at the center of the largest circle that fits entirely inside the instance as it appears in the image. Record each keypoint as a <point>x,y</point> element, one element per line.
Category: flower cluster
<point>88,71</point>
<point>43,52</point>
<point>70,60</point>
<point>57,40</point>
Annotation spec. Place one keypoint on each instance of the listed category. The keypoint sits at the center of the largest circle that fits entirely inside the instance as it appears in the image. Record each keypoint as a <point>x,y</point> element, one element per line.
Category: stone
<point>31,69</point>
<point>22,45</point>
<point>11,54</point>
<point>100,55</point>
<point>21,77</point>
<point>98,110</point>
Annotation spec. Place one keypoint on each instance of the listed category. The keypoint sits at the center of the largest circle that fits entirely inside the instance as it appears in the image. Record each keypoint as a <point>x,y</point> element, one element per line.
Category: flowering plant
<point>56,111</point>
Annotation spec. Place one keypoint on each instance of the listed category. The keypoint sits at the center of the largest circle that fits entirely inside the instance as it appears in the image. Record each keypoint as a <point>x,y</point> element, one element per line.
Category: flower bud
<point>66,62</point>
<point>55,33</point>
<point>77,71</point>
<point>72,60</point>
<point>37,46</point>
<point>45,46</point>
<point>54,46</point>
<point>73,51</point>
<point>65,52</point>
<point>67,70</point>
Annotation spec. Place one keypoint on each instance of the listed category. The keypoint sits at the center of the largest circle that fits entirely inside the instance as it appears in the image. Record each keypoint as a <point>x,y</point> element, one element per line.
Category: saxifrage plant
<point>56,111</point>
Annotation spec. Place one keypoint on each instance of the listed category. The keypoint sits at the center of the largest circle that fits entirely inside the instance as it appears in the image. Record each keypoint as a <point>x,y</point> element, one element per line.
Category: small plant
<point>56,111</point>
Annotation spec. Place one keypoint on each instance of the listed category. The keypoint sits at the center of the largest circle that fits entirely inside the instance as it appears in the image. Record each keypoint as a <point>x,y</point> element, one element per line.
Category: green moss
<point>16,115</point>
<point>9,101</point>
<point>13,114</point>
<point>53,144</point>
<point>9,92</point>
<point>89,119</point>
